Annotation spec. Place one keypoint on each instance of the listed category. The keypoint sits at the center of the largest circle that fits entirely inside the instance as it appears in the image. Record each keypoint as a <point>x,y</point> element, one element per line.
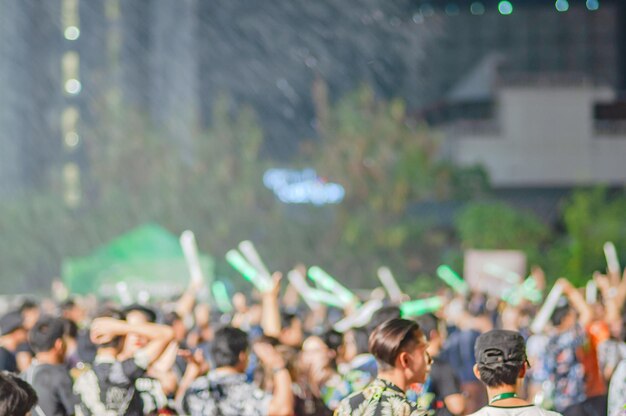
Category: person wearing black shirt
<point>108,389</point>
<point>47,374</point>
<point>442,390</point>
<point>12,334</point>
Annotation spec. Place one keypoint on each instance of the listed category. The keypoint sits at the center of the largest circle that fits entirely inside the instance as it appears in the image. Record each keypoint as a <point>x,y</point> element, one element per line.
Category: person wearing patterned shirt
<point>399,347</point>
<point>225,390</point>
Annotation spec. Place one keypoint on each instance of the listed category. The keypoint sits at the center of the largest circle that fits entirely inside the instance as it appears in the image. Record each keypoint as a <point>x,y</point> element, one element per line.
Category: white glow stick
<point>591,292</point>
<point>542,317</point>
<point>390,284</point>
<point>360,317</point>
<point>611,258</point>
<point>124,294</point>
<point>190,250</point>
<point>247,249</point>
<point>299,283</point>
<point>501,273</point>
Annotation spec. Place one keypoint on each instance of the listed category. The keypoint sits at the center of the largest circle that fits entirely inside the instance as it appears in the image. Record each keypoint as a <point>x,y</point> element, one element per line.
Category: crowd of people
<point>275,355</point>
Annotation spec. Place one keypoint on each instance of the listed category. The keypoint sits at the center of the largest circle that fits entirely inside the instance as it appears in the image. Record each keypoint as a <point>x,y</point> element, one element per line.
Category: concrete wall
<point>545,137</point>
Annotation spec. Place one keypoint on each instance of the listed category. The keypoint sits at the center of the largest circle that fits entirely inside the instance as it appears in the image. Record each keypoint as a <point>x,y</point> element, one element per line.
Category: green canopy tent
<point>148,258</point>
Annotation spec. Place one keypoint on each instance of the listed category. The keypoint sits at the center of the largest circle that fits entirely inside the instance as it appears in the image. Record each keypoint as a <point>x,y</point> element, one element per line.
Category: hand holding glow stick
<point>544,314</point>
<point>328,283</point>
<point>251,274</point>
<point>190,250</point>
<point>299,283</point>
<point>591,292</point>
<point>453,280</point>
<point>247,249</point>
<point>390,284</point>
<point>420,306</point>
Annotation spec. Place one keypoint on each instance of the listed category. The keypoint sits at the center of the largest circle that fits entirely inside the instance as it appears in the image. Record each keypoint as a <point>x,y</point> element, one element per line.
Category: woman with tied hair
<point>399,347</point>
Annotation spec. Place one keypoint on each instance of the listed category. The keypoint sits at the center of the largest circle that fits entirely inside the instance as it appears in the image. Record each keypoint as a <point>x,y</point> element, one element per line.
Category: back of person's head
<point>333,339</point>
<point>17,397</point>
<point>45,333</point>
<point>228,344</point>
<point>500,357</point>
<point>559,314</point>
<point>382,315</point>
<point>391,338</point>
<point>429,323</point>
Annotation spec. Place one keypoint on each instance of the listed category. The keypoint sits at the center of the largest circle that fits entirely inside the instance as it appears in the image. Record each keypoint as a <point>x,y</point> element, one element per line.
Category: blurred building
<point>533,90</point>
<point>68,68</point>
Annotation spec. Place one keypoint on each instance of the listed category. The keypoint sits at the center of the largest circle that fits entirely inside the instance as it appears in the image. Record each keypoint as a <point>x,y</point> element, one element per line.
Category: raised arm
<point>585,313</point>
<point>270,318</point>
<point>159,336</point>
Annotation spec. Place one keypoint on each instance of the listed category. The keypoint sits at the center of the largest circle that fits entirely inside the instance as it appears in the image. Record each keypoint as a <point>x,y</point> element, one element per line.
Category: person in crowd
<point>572,361</point>
<point>47,374</point>
<point>399,347</point>
<point>320,376</point>
<point>24,354</point>
<point>501,365</point>
<point>17,397</point>
<point>360,367</point>
<point>109,387</point>
<point>12,335</point>
<point>225,390</point>
<point>442,390</point>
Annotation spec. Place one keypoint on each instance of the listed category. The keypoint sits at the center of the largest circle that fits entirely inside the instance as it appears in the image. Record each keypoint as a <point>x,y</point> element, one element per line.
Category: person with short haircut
<point>17,397</point>
<point>47,374</point>
<point>501,365</point>
<point>399,347</point>
<point>225,390</point>
<point>108,389</point>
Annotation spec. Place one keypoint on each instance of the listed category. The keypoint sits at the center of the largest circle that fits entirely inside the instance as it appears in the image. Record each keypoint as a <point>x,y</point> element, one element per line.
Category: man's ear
<point>58,344</point>
<point>522,371</point>
<point>476,372</point>
<point>403,359</point>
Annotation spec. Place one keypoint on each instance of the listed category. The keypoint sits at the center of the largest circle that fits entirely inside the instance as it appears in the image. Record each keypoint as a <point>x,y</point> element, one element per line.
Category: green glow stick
<point>452,279</point>
<point>420,306</point>
<point>247,271</point>
<point>221,296</point>
<point>328,283</point>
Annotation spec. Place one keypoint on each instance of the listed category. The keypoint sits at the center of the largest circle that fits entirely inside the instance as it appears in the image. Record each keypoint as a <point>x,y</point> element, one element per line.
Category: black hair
<point>500,374</point>
<point>67,304</point>
<point>228,344</point>
<point>45,333</point>
<point>332,339</point>
<point>391,338</point>
<point>428,323</point>
<point>171,317</point>
<point>559,314</point>
<point>286,319</point>
<point>70,328</point>
<point>17,397</point>
<point>28,304</point>
<point>148,313</point>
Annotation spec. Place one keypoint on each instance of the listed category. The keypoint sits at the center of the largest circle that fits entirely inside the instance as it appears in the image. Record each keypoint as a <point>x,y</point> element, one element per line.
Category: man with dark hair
<point>501,365</point>
<point>109,388</point>
<point>12,335</point>
<point>399,347</point>
<point>442,390</point>
<point>17,397</point>
<point>47,374</point>
<point>225,391</point>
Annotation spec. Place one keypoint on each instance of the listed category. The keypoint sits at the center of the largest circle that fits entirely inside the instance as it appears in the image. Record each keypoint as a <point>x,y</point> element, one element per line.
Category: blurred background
<point>344,134</point>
